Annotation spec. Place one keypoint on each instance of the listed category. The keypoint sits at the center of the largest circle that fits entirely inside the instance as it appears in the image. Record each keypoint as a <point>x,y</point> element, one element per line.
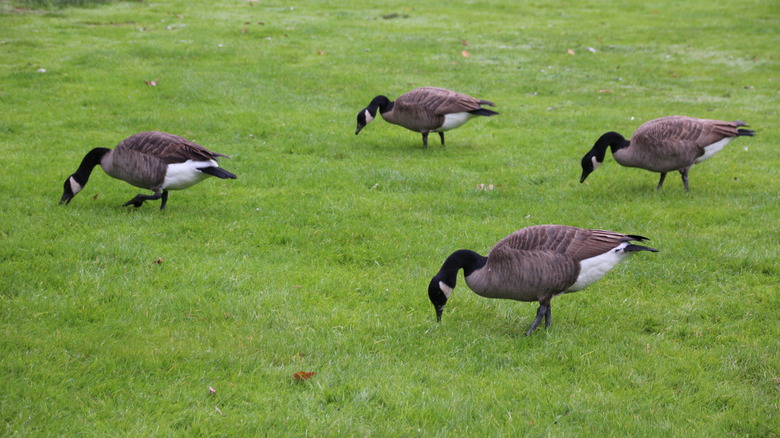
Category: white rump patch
<point>454,120</point>
<point>592,269</point>
<point>596,163</point>
<point>369,117</point>
<point>713,149</point>
<point>446,289</point>
<point>74,186</point>
<point>182,175</point>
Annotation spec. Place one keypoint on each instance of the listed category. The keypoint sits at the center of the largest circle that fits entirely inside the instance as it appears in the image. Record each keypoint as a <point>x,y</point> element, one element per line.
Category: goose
<point>157,161</point>
<point>665,144</point>
<point>535,263</point>
<point>425,110</point>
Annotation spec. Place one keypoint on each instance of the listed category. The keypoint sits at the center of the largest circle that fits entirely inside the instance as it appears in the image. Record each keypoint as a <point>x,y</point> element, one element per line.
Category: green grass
<point>116,321</point>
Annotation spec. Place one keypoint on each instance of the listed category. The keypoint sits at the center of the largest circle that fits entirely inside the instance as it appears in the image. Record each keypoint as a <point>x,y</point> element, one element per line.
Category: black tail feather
<point>631,248</point>
<point>747,132</point>
<point>218,172</point>
<point>483,112</point>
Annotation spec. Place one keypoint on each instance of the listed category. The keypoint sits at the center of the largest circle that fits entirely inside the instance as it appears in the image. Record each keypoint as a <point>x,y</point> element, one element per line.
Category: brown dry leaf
<point>94,198</point>
<point>320,52</point>
<point>212,391</point>
<point>158,261</point>
<point>464,42</point>
<point>303,375</point>
<point>570,52</point>
<point>465,54</point>
<point>151,83</point>
<point>244,30</point>
<point>606,90</point>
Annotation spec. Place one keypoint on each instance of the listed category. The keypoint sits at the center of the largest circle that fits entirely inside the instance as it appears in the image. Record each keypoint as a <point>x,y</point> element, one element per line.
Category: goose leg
<point>542,312</point>
<point>425,139</point>
<point>139,199</point>
<point>684,173</point>
<point>661,181</point>
<point>441,136</point>
<point>548,317</point>
<point>164,198</point>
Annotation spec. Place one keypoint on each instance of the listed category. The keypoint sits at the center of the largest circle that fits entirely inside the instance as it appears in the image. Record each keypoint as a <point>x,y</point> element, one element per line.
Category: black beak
<point>357,131</point>
<point>66,197</point>
<point>439,311</point>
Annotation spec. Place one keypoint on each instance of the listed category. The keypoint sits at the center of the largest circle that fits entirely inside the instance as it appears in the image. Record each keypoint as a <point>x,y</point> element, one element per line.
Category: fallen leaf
<point>158,261</point>
<point>570,52</point>
<point>212,391</point>
<point>94,198</point>
<point>303,375</point>
<point>606,90</point>
<point>320,52</point>
<point>464,42</point>
<point>244,30</point>
<point>465,54</point>
<point>151,83</point>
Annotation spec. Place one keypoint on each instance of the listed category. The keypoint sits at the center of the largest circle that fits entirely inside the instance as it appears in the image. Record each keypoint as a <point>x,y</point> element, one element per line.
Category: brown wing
<point>577,243</point>
<point>683,136</point>
<point>439,101</point>
<point>524,275</point>
<point>169,148</point>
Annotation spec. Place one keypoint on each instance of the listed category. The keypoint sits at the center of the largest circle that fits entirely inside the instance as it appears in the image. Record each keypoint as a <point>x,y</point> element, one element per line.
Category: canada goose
<point>151,160</point>
<point>665,144</point>
<point>535,264</point>
<point>424,110</point>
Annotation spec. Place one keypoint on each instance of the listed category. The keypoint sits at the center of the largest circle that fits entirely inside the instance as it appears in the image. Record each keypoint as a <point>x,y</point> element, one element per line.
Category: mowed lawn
<point>194,320</point>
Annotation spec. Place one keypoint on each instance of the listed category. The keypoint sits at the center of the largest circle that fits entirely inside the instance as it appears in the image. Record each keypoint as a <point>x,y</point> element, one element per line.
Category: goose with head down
<point>426,110</point>
<point>673,143</point>
<point>156,161</point>
<point>535,264</point>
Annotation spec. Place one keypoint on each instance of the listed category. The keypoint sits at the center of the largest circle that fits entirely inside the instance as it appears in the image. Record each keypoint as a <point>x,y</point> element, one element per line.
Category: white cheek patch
<point>369,117</point>
<point>445,289</point>
<point>74,186</point>
<point>595,162</point>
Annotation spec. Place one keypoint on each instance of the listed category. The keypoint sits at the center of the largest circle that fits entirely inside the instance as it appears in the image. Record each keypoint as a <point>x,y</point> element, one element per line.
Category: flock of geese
<point>532,264</point>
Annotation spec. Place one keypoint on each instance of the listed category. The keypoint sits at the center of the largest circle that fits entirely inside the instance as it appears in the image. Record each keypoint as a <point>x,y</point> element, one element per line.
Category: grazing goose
<point>665,144</point>
<point>151,160</point>
<point>424,110</point>
<point>535,264</point>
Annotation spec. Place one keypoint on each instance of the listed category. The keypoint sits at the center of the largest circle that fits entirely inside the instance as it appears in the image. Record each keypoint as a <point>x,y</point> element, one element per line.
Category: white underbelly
<point>713,149</point>
<point>592,269</point>
<point>455,120</point>
<point>179,176</point>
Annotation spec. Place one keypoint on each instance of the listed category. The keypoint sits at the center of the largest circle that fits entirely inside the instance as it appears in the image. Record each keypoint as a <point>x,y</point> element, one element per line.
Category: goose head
<point>367,114</point>
<point>439,292</point>
<point>364,117</point>
<point>72,188</point>
<point>595,156</point>
<point>78,180</point>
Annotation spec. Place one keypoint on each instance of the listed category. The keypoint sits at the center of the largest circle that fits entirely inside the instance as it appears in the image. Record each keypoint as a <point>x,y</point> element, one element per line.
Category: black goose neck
<point>465,259</point>
<point>90,160</point>
<point>611,139</point>
<point>382,103</point>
